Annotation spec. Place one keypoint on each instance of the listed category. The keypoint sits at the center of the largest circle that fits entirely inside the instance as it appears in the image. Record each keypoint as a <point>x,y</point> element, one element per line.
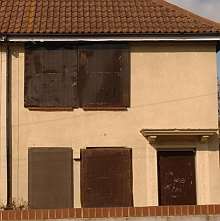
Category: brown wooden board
<point>50,178</point>
<point>51,76</point>
<point>106,177</point>
<point>104,75</point>
<point>177,182</point>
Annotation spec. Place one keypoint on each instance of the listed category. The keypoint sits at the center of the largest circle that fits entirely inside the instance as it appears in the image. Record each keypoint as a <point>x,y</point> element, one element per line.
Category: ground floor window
<point>106,177</point>
<point>176,178</point>
<point>50,178</point>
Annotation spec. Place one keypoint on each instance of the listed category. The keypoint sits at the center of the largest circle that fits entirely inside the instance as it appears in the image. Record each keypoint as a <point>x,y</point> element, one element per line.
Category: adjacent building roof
<point>100,17</point>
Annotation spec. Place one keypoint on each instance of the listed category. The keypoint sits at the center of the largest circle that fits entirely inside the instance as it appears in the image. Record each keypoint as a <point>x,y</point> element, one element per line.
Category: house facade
<point>108,104</point>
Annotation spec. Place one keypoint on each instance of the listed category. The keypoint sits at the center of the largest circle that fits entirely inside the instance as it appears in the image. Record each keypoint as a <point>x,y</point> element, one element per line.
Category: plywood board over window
<point>50,75</point>
<point>104,75</point>
<point>50,178</point>
<point>177,183</point>
<point>106,177</point>
<point>94,75</point>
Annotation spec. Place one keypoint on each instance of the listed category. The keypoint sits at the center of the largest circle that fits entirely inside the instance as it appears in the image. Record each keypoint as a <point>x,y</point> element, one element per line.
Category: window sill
<point>50,109</point>
<point>105,108</point>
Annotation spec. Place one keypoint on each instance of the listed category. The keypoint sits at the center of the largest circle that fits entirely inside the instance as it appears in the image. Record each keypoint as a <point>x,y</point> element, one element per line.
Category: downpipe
<point>8,126</point>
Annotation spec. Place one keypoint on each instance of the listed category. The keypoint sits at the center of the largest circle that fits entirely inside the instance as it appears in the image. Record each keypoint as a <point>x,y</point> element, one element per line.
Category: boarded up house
<point>107,104</point>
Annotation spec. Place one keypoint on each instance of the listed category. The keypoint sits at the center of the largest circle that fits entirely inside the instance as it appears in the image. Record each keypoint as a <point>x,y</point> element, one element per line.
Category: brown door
<point>177,184</point>
<point>106,177</point>
<point>50,178</point>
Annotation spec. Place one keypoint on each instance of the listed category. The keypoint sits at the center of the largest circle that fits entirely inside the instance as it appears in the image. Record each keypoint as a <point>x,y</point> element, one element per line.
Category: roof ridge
<point>191,14</point>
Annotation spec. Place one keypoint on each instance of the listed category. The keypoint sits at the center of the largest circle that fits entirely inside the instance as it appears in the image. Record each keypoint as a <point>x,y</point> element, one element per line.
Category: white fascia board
<point>115,39</point>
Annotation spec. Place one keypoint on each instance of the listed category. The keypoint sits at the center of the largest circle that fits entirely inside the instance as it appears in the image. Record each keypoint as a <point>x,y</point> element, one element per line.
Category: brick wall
<point>109,212</point>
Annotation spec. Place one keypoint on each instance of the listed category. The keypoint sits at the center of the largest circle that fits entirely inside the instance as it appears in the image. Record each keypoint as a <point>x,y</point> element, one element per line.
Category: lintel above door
<point>203,135</point>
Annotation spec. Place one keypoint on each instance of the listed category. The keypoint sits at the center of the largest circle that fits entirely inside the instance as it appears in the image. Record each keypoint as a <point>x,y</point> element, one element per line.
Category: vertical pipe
<point>9,128</point>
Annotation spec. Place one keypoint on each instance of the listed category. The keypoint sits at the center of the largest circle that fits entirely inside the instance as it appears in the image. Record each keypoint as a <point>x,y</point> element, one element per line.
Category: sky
<point>205,8</point>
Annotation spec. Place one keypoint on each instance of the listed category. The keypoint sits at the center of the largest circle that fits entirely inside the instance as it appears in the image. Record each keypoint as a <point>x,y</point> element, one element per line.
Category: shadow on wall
<point>218,71</point>
<point>218,60</point>
<point>177,47</point>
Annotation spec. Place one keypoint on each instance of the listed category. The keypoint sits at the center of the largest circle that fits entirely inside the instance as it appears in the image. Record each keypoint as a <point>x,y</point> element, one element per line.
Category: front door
<point>176,174</point>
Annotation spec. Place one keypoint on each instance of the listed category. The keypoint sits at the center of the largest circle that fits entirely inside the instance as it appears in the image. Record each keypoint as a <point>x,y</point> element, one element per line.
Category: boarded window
<point>104,76</point>
<point>62,75</point>
<point>50,76</point>
<point>106,177</point>
<point>50,178</point>
<point>177,184</point>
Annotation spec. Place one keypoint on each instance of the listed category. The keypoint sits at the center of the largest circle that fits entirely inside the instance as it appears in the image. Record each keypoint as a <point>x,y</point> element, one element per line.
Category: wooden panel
<point>177,185</point>
<point>50,178</point>
<point>50,76</point>
<point>104,76</point>
<point>106,177</point>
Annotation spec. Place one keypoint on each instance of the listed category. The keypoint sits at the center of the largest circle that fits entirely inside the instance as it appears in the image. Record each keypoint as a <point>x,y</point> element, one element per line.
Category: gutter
<point>111,37</point>
<point>8,125</point>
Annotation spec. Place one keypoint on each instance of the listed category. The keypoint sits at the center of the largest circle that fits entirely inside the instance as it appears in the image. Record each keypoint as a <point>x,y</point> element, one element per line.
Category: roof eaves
<point>112,37</point>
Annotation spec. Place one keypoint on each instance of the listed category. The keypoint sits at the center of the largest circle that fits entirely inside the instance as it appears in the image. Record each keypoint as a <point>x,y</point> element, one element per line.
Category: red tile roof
<point>99,17</point>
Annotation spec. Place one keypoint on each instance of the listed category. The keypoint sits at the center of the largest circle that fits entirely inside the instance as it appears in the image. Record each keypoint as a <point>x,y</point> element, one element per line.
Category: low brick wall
<point>72,213</point>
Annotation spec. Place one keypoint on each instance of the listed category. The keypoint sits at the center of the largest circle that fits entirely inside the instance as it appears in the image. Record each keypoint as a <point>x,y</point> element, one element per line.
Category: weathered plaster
<point>172,86</point>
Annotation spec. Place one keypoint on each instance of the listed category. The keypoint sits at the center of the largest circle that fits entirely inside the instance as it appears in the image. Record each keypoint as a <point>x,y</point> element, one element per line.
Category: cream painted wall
<point>172,86</point>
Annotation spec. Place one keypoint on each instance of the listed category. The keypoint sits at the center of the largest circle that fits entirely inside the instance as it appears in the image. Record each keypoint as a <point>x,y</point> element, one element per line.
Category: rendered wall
<point>172,86</point>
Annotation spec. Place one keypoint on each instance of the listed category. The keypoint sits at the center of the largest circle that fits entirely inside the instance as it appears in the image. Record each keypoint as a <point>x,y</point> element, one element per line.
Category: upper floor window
<point>95,75</point>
